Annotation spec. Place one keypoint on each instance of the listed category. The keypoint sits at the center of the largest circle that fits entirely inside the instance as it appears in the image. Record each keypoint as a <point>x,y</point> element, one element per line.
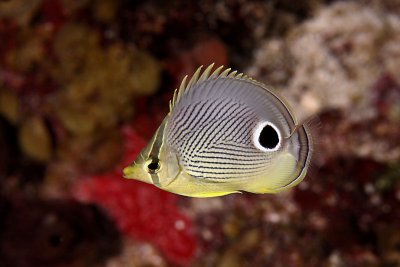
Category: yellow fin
<point>212,194</point>
<point>186,185</point>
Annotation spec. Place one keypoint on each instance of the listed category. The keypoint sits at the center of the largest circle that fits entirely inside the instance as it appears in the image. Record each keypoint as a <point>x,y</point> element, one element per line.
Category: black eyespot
<point>154,166</point>
<point>268,138</point>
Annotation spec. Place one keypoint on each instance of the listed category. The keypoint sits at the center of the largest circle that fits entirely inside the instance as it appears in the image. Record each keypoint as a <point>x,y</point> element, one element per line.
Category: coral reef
<point>333,59</point>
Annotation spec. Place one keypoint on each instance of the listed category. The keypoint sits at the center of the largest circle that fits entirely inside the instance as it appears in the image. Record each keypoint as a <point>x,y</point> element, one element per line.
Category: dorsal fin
<point>199,78</point>
<point>196,79</point>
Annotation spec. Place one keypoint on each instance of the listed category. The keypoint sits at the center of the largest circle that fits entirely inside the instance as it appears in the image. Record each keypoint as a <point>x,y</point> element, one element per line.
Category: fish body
<point>225,133</point>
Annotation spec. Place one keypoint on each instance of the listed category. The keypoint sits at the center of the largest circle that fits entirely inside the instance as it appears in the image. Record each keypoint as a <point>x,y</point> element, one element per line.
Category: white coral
<point>336,57</point>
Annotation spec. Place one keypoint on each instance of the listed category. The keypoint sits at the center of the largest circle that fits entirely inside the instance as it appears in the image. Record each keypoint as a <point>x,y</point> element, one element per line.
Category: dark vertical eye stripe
<point>157,143</point>
<point>156,149</point>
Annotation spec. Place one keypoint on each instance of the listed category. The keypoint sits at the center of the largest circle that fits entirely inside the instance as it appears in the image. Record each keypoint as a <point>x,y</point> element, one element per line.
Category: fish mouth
<point>127,172</point>
<point>136,172</point>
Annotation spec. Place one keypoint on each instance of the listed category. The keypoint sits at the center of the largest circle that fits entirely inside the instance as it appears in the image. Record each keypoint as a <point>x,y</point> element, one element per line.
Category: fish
<point>225,133</point>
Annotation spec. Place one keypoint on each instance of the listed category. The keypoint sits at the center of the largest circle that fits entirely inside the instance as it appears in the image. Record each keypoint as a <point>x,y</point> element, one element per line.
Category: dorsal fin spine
<point>194,79</point>
<point>216,72</point>
<point>185,86</point>
<point>232,74</point>
<point>225,73</point>
<point>206,73</point>
<point>173,100</point>
<point>180,91</point>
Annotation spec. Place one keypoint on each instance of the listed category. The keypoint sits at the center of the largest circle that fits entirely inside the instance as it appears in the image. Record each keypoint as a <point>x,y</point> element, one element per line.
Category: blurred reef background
<point>84,84</point>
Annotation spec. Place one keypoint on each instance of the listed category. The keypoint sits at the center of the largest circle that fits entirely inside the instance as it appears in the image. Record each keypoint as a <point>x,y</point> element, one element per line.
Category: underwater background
<point>85,83</point>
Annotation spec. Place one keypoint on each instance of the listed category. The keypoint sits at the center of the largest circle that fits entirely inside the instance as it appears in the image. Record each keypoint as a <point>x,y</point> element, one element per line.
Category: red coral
<point>140,210</point>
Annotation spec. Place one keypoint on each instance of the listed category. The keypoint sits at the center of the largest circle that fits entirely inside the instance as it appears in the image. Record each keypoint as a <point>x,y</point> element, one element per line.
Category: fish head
<point>156,164</point>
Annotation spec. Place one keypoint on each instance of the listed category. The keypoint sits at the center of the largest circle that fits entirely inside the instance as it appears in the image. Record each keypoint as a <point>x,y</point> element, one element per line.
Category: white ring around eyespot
<point>260,126</point>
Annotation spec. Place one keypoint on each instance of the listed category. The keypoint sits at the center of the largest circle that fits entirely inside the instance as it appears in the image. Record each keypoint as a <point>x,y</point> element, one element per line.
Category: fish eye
<point>153,165</point>
<point>267,137</point>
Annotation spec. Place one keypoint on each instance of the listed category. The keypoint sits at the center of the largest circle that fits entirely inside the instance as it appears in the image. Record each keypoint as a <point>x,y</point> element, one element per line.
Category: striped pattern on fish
<point>225,133</point>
